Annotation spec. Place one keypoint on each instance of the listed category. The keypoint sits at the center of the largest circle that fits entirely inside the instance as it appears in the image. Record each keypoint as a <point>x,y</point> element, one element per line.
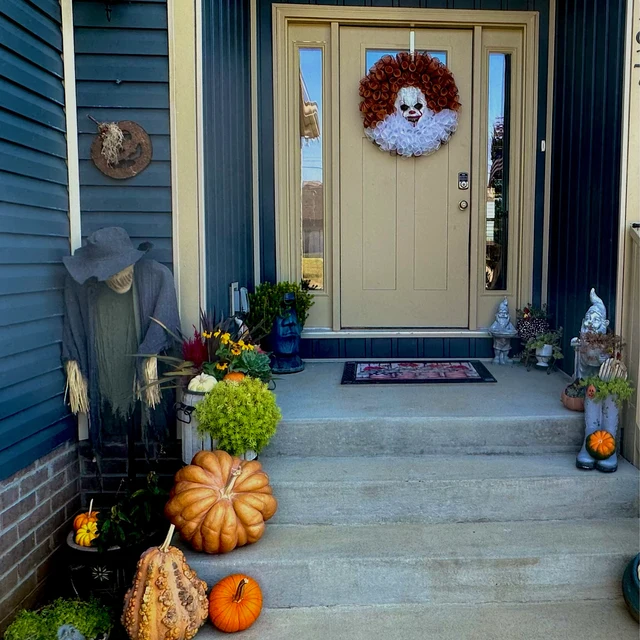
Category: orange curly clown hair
<point>379,88</point>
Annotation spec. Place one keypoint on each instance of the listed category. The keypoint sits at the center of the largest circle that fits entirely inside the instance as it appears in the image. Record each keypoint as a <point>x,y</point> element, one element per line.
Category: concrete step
<point>305,566</point>
<point>598,620</point>
<point>420,435</point>
<point>444,489</point>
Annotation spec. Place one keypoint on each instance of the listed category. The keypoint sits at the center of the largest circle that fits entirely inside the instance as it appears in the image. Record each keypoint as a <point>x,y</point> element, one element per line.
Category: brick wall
<point>165,459</point>
<point>36,507</point>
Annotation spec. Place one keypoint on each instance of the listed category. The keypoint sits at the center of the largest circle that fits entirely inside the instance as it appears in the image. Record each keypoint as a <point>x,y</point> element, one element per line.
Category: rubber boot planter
<point>285,339</point>
<point>601,427</point>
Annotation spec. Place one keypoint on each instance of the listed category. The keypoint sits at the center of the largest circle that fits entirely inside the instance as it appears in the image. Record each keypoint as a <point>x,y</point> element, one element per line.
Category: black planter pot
<point>104,574</point>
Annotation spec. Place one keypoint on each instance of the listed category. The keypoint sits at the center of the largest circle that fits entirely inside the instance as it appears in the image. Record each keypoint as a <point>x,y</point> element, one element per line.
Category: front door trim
<point>334,17</point>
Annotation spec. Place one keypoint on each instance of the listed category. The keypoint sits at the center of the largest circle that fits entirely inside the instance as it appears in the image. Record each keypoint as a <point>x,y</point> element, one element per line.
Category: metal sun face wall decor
<point>410,104</point>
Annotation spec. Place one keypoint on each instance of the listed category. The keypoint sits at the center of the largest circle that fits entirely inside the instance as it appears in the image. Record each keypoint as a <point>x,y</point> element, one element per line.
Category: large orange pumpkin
<point>220,502</point>
<point>235,603</point>
<point>601,445</point>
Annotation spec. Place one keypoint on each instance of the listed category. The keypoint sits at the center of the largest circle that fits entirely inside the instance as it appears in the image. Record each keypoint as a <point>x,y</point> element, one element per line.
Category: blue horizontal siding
<point>29,47</point>
<point>34,233</point>
<point>30,76</point>
<point>157,174</point>
<point>23,103</point>
<point>31,163</point>
<point>31,134</point>
<point>136,42</point>
<point>33,21</point>
<point>152,120</point>
<point>122,73</point>
<point>122,68</point>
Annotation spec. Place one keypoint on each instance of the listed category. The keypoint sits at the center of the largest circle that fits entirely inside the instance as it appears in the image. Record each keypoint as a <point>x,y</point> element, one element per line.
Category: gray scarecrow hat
<point>104,253</point>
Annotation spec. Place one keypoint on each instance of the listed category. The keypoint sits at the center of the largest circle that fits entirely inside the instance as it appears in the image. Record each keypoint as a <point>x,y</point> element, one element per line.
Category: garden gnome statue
<point>588,362</point>
<point>502,331</point>
<point>286,339</point>
<point>111,297</point>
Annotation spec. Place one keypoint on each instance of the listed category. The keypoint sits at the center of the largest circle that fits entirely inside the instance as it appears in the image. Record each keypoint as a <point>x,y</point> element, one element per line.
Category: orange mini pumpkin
<point>601,445</point>
<point>234,376</point>
<point>85,518</point>
<point>235,603</point>
<point>220,502</point>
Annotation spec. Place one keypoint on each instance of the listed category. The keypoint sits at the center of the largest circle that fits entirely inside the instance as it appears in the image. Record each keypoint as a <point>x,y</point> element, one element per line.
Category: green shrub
<point>268,301</point>
<point>241,416</point>
<point>91,619</point>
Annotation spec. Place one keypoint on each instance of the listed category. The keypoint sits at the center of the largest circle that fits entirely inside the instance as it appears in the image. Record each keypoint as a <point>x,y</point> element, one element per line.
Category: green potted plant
<point>282,309</point>
<point>239,417</point>
<point>532,321</point>
<point>64,618</point>
<point>547,348</point>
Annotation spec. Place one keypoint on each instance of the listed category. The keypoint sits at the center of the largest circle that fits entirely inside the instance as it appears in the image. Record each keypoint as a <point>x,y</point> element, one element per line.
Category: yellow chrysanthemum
<point>226,337</point>
<point>240,343</point>
<point>217,333</point>
<point>207,335</point>
<point>236,352</point>
<point>222,365</point>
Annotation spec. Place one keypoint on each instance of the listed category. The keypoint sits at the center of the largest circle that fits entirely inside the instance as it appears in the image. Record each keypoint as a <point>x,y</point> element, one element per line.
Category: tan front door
<point>404,239</point>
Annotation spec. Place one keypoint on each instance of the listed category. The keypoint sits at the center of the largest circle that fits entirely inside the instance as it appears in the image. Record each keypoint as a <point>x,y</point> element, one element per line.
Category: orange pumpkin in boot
<point>601,445</point>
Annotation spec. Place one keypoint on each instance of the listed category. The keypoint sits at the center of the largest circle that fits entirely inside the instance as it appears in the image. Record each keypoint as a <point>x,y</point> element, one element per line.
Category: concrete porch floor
<point>316,392</point>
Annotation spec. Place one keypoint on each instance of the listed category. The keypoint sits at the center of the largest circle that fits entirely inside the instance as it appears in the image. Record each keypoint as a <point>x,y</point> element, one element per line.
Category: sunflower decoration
<point>410,104</point>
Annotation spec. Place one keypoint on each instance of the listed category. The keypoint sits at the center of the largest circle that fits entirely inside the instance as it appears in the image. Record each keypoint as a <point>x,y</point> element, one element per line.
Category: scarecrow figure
<point>111,295</point>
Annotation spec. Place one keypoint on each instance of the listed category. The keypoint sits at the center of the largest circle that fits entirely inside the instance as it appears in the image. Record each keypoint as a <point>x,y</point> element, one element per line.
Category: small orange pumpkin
<point>234,376</point>
<point>601,445</point>
<point>235,603</point>
<point>591,392</point>
<point>85,518</point>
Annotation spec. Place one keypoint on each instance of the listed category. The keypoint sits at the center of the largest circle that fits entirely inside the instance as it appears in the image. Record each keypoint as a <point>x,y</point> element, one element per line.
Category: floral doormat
<point>418,372</point>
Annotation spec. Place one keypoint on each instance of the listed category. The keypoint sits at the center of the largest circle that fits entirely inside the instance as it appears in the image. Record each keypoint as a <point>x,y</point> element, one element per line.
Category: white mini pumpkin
<point>202,383</point>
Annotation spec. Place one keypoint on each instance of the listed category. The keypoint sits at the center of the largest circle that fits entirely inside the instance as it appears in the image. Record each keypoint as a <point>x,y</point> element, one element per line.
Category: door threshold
<point>314,333</point>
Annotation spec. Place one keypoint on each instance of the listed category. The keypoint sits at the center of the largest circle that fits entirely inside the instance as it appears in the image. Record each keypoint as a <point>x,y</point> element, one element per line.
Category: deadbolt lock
<point>463,204</point>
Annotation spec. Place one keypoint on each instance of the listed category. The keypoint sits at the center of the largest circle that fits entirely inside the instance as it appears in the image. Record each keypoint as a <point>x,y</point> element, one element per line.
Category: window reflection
<point>497,203</point>
<point>312,187</point>
<point>373,55</point>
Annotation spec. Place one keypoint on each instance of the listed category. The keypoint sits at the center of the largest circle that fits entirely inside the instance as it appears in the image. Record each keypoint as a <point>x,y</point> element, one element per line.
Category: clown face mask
<point>410,103</point>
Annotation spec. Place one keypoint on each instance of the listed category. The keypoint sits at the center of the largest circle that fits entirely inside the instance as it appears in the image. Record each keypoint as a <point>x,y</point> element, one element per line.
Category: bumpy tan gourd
<point>167,600</point>
<point>220,502</point>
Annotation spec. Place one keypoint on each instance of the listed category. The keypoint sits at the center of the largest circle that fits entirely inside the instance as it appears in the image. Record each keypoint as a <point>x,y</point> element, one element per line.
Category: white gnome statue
<point>502,331</point>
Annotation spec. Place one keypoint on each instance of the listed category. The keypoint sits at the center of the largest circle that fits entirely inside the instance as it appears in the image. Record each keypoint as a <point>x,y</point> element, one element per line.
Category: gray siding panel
<point>585,180</point>
<point>227,148</point>
<point>122,73</point>
<point>34,233</point>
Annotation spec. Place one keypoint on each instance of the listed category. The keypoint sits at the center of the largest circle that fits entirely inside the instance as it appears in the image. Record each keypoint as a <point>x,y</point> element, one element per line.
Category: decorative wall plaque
<point>122,149</point>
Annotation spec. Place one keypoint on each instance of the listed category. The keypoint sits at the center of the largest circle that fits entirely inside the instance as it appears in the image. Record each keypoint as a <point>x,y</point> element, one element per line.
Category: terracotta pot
<point>573,404</point>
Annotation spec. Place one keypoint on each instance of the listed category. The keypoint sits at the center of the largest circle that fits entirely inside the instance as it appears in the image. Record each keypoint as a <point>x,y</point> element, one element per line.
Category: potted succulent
<point>547,348</point>
<point>240,417</point>
<point>283,308</point>
<point>573,396</point>
<point>63,619</point>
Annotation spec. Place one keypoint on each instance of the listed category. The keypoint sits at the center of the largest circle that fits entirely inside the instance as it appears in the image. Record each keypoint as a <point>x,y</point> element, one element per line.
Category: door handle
<point>463,205</point>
